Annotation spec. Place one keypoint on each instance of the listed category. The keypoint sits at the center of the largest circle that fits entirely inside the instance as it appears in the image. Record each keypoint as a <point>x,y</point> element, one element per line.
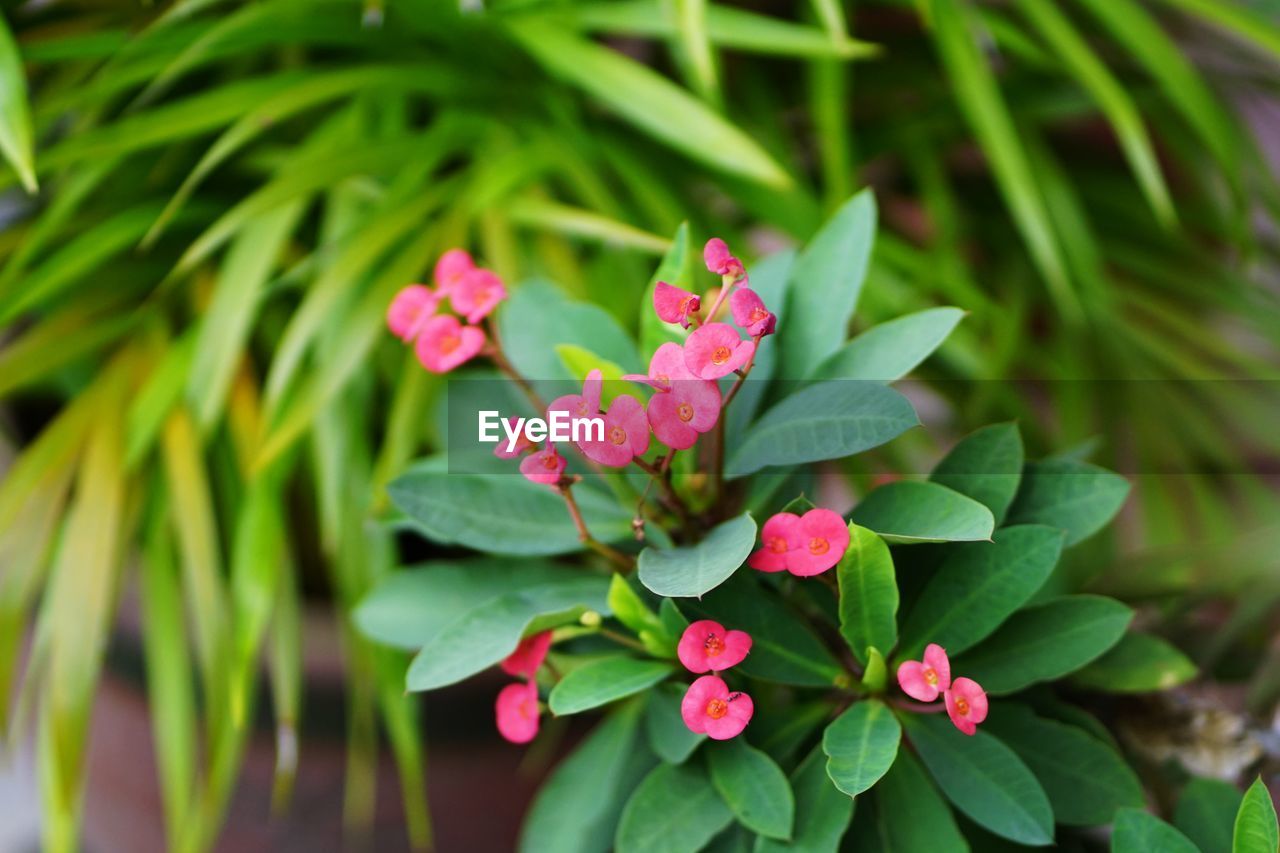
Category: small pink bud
<point>823,538</point>
<point>450,269</point>
<point>720,260</point>
<point>518,712</point>
<point>545,467</point>
<point>966,704</point>
<point>626,434</point>
<point>673,304</point>
<point>708,707</point>
<point>409,311</point>
<point>445,343</point>
<point>750,314</point>
<point>528,656</point>
<point>925,680</point>
<point>706,645</point>
<point>476,293</point>
<point>523,443</point>
<point>781,534</point>
<point>715,349</point>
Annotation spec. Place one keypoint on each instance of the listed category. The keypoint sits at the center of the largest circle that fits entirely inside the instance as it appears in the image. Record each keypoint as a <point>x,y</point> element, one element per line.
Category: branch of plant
<point>623,561</point>
<point>718,467</point>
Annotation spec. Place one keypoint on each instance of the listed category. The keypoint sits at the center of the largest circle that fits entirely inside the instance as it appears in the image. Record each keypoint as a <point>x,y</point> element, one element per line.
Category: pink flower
<point>546,466</point>
<point>715,349</point>
<point>528,656</point>
<point>410,310</point>
<point>680,415</point>
<point>584,405</point>
<point>626,434</point>
<point>749,312</point>
<point>708,707</point>
<point>924,681</point>
<point>476,293</point>
<point>706,645</point>
<point>720,260</point>
<point>445,343</point>
<point>518,712</point>
<point>450,269</point>
<point>966,704</point>
<point>780,535</point>
<point>523,443</point>
<point>666,366</point>
<point>823,538</point>
<point>673,304</point>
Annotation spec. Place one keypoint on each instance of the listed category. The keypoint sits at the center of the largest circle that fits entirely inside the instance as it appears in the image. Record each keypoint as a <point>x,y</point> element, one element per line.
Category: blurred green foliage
<point>193,361</point>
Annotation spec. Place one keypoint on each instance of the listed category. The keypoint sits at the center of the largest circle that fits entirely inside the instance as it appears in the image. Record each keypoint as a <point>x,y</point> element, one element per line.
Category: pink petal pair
<point>750,314</point>
<point>965,699</point>
<point>626,434</point>
<point>444,343</point>
<point>675,305</point>
<point>686,406</point>
<point>584,405</point>
<point>451,268</point>
<point>803,545</point>
<point>709,707</point>
<point>528,656</point>
<point>476,293</point>
<point>707,646</point>
<point>720,260</point>
<point>517,710</point>
<point>523,444</point>
<point>411,308</point>
<point>715,349</point>
<point>545,467</point>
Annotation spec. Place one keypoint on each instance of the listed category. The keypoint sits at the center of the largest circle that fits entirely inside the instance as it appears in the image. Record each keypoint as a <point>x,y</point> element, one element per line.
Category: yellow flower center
<point>962,707</point>
<point>778,545</point>
<point>617,435</point>
<point>713,644</point>
<point>717,708</point>
<point>685,412</point>
<point>818,545</point>
<point>930,676</point>
<point>449,343</point>
<point>721,355</point>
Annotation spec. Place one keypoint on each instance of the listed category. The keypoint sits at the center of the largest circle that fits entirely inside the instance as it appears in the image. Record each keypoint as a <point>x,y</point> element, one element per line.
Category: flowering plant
<point>756,680</point>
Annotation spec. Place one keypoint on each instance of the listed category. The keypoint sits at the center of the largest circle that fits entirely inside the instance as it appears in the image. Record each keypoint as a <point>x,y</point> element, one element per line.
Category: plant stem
<point>717,469</point>
<point>499,357</point>
<point>622,639</point>
<point>621,560</point>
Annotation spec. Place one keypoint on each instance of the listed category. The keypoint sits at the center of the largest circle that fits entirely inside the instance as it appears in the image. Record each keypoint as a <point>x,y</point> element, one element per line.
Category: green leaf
<point>1086,779</point>
<point>893,349</point>
<point>579,362</point>
<point>1255,829</point>
<point>503,514</point>
<point>753,786</point>
<point>15,115</point>
<point>693,571</point>
<point>868,594</point>
<point>985,465</point>
<point>629,609</point>
<point>600,682</point>
<point>1139,663</point>
<point>825,284</point>
<point>576,810</point>
<point>538,316</point>
<point>1136,831</point>
<point>911,815</point>
<point>1075,496</point>
<point>978,587</point>
<point>909,511</point>
<point>984,779</point>
<point>861,745</point>
<point>783,646</point>
<point>1206,814</point>
<point>647,100</point>
<point>674,269</point>
<point>822,812</point>
<point>668,735</point>
<point>829,420</point>
<point>876,674</point>
<point>674,810</point>
<point>1045,642</point>
<point>482,636</point>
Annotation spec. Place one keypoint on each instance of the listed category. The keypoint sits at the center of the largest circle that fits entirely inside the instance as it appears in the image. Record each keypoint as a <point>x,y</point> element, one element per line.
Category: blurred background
<point>207,206</point>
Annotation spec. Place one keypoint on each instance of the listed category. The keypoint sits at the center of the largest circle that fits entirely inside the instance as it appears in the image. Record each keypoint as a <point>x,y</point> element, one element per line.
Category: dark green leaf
<point>861,745</point>
<point>986,465</point>
<point>892,349</point>
<point>1086,780</point>
<point>600,682</point>
<point>674,810</point>
<point>696,570</point>
<point>1136,831</point>
<point>909,511</point>
<point>1206,814</point>
<point>538,316</point>
<point>1045,642</point>
<point>868,594</point>
<point>829,420</point>
<point>1256,830</point>
<point>753,786</point>
<point>979,586</point>
<point>984,779</point>
<point>1074,496</point>
<point>668,735</point>
<point>822,812</point>
<point>910,814</point>
<point>1139,663</point>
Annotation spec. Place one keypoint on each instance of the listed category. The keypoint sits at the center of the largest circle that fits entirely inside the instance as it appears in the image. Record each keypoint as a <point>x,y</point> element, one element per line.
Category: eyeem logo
<point>561,427</point>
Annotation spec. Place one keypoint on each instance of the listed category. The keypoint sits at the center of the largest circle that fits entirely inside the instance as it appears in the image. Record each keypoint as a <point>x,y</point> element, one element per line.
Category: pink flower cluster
<point>804,545</point>
<point>964,698</point>
<point>441,341</point>
<point>517,708</point>
<point>709,707</point>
